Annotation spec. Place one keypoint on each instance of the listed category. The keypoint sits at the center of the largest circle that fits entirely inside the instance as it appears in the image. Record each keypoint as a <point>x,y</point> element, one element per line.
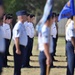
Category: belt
<point>68,41</point>
<point>22,45</point>
<point>41,51</point>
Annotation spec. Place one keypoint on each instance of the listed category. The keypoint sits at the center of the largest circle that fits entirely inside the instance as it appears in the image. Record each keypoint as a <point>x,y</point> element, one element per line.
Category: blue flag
<point>47,12</point>
<point>67,11</point>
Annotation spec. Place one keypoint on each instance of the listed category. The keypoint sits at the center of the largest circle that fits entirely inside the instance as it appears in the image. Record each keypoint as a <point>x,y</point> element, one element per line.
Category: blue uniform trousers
<point>25,60</point>
<point>32,40</point>
<point>1,62</point>
<point>54,45</point>
<point>42,62</point>
<point>7,44</point>
<point>70,58</point>
<point>30,45</point>
<point>27,53</point>
<point>18,60</point>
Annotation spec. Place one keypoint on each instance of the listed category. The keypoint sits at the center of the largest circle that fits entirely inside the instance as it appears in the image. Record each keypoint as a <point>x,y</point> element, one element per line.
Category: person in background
<point>7,21</point>
<point>37,33</point>
<point>53,34</point>
<point>56,28</point>
<point>31,25</point>
<point>70,46</point>
<point>56,23</point>
<point>20,41</point>
<point>25,61</point>
<point>68,21</point>
<point>30,33</point>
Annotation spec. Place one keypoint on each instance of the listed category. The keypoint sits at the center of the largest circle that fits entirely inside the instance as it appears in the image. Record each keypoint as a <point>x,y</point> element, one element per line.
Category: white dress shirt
<point>7,31</point>
<point>29,29</point>
<point>53,30</point>
<point>45,37</point>
<point>70,32</point>
<point>20,32</point>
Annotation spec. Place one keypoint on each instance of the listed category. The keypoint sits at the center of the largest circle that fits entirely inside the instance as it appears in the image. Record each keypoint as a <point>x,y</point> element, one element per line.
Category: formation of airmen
<point>22,35</point>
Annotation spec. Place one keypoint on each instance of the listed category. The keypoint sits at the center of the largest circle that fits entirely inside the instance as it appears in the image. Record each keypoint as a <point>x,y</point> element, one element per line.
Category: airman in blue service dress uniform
<point>30,34</point>
<point>44,45</point>
<point>53,34</point>
<point>7,35</point>
<point>70,47</point>
<point>20,41</point>
<point>25,54</point>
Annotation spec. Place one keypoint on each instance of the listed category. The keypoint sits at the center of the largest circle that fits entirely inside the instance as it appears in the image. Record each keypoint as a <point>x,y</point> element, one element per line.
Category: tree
<point>58,5</point>
<point>32,6</point>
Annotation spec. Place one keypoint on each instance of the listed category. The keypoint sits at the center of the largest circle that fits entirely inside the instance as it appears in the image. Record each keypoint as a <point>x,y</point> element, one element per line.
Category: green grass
<point>60,64</point>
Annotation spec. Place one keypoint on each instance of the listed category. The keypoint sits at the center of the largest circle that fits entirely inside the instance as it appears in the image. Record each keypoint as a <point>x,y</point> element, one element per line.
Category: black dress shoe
<point>6,66</point>
<point>55,60</point>
<point>27,66</point>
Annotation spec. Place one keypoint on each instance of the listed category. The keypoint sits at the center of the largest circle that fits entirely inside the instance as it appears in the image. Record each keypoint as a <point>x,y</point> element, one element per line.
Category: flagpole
<point>47,69</point>
<point>74,21</point>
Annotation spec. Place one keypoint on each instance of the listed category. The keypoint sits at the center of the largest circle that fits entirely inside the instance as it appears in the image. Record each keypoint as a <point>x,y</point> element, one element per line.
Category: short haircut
<point>8,16</point>
<point>31,16</point>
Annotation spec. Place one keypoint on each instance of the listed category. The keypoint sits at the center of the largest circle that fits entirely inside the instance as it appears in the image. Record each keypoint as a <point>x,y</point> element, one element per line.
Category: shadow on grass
<point>60,61</point>
<point>10,60</point>
<point>34,60</point>
<point>60,55</point>
<point>59,67</point>
<point>23,67</point>
<point>39,67</point>
<point>35,55</point>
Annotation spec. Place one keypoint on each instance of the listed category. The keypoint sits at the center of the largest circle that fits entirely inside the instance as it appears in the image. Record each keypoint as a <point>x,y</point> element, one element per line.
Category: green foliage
<point>32,6</point>
<point>58,5</point>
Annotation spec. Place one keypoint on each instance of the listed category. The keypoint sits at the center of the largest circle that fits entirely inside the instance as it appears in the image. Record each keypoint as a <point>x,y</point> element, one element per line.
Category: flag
<point>67,11</point>
<point>47,12</point>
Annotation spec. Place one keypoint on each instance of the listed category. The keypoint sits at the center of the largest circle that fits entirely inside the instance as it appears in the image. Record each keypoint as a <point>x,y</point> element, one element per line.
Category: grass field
<point>60,64</point>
